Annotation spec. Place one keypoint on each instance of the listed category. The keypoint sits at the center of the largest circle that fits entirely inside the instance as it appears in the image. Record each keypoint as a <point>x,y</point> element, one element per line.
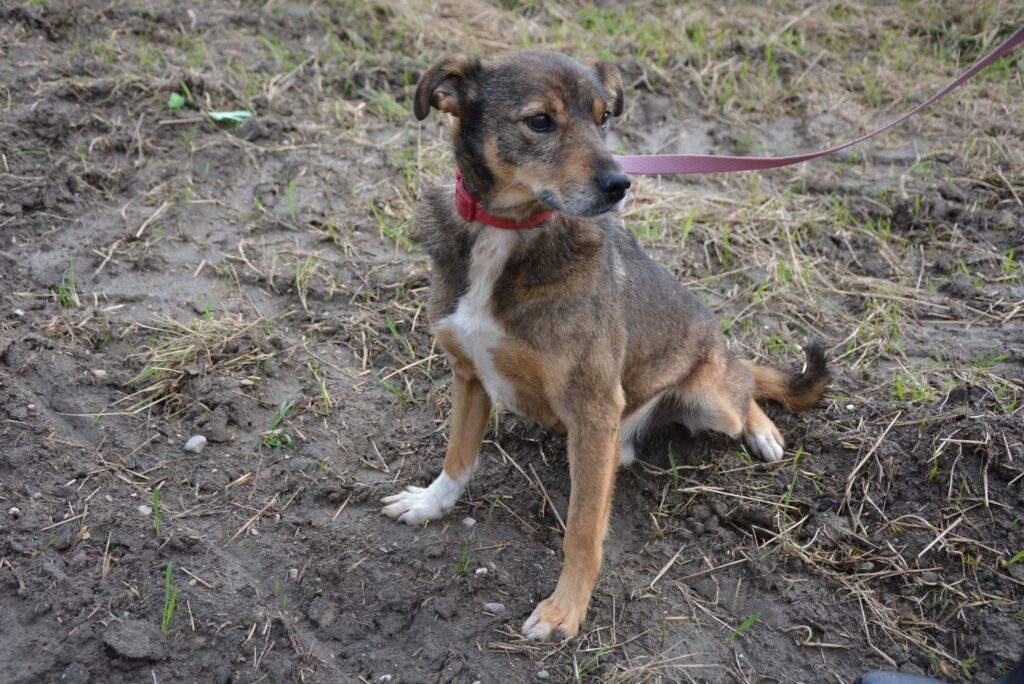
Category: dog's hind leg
<point>718,396</point>
<point>470,409</point>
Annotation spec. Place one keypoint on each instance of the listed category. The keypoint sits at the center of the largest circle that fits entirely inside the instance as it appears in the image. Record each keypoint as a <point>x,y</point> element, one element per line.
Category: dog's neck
<point>516,218</point>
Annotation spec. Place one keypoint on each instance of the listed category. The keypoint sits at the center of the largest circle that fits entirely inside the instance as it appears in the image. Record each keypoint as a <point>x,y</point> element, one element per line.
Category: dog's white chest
<point>473,321</point>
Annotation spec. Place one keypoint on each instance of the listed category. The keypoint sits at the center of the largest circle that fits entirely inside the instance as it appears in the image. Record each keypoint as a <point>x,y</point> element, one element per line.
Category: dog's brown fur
<point>583,332</point>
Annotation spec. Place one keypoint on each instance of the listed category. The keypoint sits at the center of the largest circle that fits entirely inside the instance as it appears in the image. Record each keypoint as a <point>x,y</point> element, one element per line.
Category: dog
<point>544,304</point>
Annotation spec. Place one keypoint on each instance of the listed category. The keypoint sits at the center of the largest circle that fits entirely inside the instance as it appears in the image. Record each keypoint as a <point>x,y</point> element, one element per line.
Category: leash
<point>708,163</point>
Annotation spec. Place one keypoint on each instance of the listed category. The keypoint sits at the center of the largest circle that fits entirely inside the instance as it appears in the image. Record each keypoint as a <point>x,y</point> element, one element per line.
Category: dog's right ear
<point>448,85</point>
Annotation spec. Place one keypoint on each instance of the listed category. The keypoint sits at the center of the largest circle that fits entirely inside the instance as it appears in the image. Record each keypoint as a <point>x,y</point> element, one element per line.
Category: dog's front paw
<point>765,445</point>
<point>414,506</point>
<point>549,622</point>
<point>417,504</point>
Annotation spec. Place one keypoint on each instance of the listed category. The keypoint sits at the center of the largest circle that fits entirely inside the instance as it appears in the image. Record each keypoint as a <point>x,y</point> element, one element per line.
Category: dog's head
<point>529,130</point>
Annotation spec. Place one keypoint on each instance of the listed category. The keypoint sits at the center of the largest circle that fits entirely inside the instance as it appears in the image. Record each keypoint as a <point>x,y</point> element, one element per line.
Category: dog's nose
<point>613,184</point>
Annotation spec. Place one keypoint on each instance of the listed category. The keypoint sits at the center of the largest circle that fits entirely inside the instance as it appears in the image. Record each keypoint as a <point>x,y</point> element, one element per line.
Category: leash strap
<point>706,163</point>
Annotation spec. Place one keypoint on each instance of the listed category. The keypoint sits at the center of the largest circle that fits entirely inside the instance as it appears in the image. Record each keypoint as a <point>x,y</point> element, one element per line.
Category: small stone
<point>191,583</point>
<point>481,571</point>
<point>494,608</point>
<point>145,510</point>
<point>293,573</point>
<point>254,532</point>
<point>14,512</point>
<point>195,444</point>
<point>850,407</point>
<point>468,522</point>
<point>246,382</point>
<point>542,674</point>
<point>37,495</point>
<point>108,498</point>
<point>19,312</point>
<point>135,640</point>
<point>384,678</point>
<point>322,612</point>
<point>99,373</point>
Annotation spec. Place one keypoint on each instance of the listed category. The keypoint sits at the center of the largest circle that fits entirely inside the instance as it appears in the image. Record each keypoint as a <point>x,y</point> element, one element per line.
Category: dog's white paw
<point>414,505</point>
<point>548,622</point>
<point>764,445</point>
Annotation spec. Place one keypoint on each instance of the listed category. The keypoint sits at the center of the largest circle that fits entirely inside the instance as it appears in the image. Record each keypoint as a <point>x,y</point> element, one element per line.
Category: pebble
<point>145,510</point>
<point>481,571</point>
<point>542,674</point>
<point>14,512</point>
<point>99,373</point>
<point>384,678</point>
<point>468,522</point>
<point>293,573</point>
<point>494,608</point>
<point>136,640</point>
<point>108,498</point>
<point>19,312</point>
<point>195,444</point>
<point>850,407</point>
<point>246,382</point>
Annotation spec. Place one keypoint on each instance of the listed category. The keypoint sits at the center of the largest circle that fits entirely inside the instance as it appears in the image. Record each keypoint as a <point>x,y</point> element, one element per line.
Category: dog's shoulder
<point>448,242</point>
<point>438,228</point>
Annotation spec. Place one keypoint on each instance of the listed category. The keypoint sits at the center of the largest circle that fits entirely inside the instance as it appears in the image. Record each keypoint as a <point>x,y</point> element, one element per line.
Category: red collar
<point>468,209</point>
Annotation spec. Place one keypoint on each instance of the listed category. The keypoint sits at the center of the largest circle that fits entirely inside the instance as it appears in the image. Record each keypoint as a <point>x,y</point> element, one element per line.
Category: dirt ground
<point>163,275</point>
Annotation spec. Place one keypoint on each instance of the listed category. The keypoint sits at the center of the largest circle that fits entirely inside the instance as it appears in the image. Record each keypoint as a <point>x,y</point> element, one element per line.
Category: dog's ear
<point>448,85</point>
<point>609,75</point>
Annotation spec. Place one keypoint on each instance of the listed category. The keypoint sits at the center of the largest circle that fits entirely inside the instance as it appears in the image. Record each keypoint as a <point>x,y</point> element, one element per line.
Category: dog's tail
<point>796,391</point>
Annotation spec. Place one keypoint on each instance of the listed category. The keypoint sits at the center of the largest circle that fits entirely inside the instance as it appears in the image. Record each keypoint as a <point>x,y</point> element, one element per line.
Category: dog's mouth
<point>580,204</point>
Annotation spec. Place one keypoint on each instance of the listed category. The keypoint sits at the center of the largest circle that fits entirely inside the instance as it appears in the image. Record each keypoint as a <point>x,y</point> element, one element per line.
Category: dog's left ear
<point>449,84</point>
<point>609,75</point>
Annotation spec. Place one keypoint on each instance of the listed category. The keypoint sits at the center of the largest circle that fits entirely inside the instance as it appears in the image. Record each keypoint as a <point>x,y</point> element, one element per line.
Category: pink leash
<point>706,163</point>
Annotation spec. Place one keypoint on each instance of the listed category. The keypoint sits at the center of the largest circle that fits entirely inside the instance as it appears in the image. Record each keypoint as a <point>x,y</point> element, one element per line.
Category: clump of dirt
<point>166,276</point>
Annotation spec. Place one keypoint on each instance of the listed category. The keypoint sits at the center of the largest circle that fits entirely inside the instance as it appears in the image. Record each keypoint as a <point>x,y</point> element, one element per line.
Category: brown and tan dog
<point>568,322</point>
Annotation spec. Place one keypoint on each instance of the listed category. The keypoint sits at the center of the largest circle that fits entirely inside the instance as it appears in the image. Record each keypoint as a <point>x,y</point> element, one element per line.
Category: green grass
<point>462,564</point>
<point>325,398</point>
<point>1017,558</point>
<point>672,464</point>
<point>67,293</point>
<point>593,661</point>
<point>388,225</point>
<point>745,625</point>
<point>170,599</point>
<point>293,209</point>
<point>275,436</point>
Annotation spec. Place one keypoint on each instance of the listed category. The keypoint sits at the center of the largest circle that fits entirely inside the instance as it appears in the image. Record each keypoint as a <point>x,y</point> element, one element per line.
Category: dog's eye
<point>540,123</point>
<point>604,119</point>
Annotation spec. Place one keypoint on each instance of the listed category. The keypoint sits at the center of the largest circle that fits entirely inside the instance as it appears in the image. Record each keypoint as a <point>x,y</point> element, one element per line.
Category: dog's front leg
<point>470,409</point>
<point>593,461</point>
